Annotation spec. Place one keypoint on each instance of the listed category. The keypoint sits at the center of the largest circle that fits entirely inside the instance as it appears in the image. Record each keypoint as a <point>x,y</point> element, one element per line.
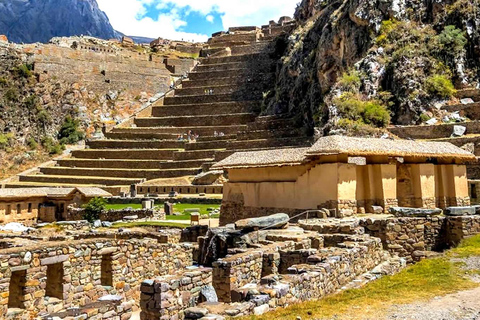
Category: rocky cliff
<point>31,21</point>
<point>356,65</point>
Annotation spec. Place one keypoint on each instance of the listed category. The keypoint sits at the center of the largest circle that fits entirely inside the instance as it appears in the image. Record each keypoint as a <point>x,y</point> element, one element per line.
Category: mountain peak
<point>40,20</point>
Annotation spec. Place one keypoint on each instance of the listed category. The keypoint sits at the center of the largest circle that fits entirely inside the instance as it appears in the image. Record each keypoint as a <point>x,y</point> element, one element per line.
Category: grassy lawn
<point>422,281</point>
<point>181,207</point>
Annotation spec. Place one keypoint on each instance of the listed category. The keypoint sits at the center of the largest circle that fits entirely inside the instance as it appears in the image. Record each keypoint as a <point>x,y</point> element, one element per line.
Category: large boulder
<point>207,178</point>
<point>195,313</point>
<point>460,211</point>
<point>276,221</point>
<point>414,212</point>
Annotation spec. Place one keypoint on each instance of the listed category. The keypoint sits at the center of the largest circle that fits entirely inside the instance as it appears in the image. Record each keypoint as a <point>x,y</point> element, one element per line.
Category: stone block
<point>460,211</point>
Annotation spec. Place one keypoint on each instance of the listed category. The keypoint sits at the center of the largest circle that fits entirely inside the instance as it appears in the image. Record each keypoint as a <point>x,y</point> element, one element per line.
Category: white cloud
<point>126,15</point>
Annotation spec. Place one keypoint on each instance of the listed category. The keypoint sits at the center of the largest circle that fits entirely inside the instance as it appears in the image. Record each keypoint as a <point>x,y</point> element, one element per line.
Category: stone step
<point>256,64</point>
<point>433,131</point>
<point>239,72</point>
<point>194,121</point>
<point>217,138</point>
<point>194,155</point>
<point>200,130</point>
<point>213,90</point>
<point>135,144</point>
<point>271,134</point>
<point>260,78</point>
<point>140,136</point>
<point>231,107</point>
<point>269,143</point>
<point>471,110</point>
<point>206,145</point>
<point>471,93</point>
<point>270,123</point>
<point>104,181</point>
<point>141,154</point>
<point>148,174</point>
<point>230,59</point>
<point>114,190</point>
<point>130,164</point>
<point>258,47</point>
<point>215,98</point>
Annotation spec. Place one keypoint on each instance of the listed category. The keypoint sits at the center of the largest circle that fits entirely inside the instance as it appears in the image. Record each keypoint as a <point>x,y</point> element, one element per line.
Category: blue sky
<point>190,20</point>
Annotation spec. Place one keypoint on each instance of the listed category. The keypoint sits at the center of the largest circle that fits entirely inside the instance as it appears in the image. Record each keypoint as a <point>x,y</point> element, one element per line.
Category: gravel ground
<point>463,305</point>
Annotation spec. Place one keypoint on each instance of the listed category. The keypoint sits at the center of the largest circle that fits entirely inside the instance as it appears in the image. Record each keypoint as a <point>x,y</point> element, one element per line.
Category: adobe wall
<point>37,272</point>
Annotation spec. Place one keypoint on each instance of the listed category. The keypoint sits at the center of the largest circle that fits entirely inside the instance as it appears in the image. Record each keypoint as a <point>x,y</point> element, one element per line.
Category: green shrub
<point>376,114</point>
<point>371,112</point>
<point>32,143</point>
<point>93,209</point>
<point>11,95</point>
<point>43,117</point>
<point>25,70</point>
<point>31,102</point>
<point>52,146</point>
<point>356,127</point>
<point>350,81</point>
<point>6,140</point>
<point>440,85</point>
<point>424,117</point>
<point>452,39</point>
<point>3,82</point>
<point>69,132</point>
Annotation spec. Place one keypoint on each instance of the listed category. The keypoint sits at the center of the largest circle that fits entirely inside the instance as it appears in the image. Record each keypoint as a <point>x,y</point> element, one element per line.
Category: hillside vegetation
<point>355,65</point>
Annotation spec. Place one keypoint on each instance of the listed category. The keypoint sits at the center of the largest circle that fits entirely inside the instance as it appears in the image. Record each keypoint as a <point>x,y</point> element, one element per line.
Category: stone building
<point>346,175</point>
<point>27,205</point>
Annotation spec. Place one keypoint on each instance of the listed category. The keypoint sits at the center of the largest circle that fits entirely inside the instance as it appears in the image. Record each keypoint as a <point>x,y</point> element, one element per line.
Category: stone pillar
<point>381,188</point>
<point>460,195</point>
<point>347,189</point>
<point>424,185</point>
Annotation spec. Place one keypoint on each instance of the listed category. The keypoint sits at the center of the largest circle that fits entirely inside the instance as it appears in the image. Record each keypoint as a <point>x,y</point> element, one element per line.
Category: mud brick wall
<point>167,297</point>
<point>53,276</point>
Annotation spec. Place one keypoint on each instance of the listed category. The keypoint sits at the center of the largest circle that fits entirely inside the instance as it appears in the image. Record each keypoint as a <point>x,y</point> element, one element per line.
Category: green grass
<point>181,207</point>
<point>149,224</point>
<point>422,281</point>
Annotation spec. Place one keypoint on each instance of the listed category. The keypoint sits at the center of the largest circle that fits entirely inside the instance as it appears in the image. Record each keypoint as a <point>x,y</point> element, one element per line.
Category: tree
<point>93,209</point>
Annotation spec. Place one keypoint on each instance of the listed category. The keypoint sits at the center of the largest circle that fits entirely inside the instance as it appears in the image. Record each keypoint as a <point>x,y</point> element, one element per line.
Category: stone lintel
<point>53,260</point>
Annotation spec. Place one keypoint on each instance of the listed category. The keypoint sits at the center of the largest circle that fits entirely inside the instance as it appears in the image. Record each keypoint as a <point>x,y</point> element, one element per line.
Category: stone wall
<point>101,71</point>
<point>413,237</point>
<point>240,269</point>
<point>167,297</point>
<point>52,276</point>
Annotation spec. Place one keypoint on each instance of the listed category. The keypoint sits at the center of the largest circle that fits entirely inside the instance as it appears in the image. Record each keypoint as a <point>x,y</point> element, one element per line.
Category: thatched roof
<point>18,193</point>
<point>263,158</point>
<point>341,145</point>
<point>353,146</point>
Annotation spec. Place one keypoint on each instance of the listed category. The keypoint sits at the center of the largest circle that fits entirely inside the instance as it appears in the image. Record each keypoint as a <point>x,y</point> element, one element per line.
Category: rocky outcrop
<point>38,21</point>
<point>402,55</point>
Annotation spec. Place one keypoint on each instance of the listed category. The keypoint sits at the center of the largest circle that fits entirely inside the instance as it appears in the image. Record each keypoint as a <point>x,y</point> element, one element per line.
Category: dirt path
<point>463,305</point>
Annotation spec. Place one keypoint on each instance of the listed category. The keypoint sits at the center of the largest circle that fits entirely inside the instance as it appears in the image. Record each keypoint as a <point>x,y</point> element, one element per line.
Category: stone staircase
<point>222,94</point>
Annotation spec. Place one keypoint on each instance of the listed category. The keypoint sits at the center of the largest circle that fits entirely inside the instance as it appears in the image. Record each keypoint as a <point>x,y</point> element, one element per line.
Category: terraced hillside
<point>223,94</point>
